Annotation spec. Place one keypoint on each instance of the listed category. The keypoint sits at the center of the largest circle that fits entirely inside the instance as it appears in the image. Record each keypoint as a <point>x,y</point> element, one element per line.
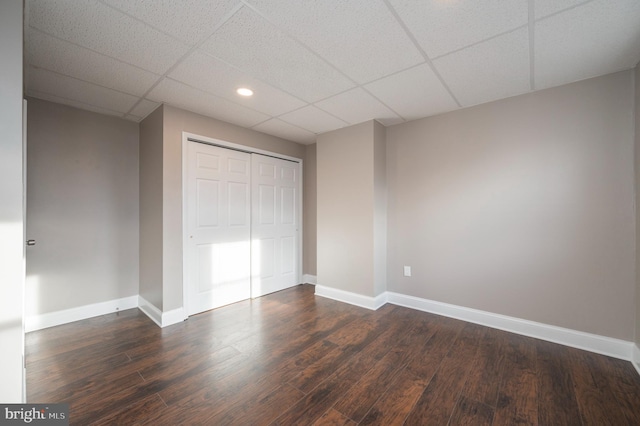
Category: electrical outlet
<point>407,271</point>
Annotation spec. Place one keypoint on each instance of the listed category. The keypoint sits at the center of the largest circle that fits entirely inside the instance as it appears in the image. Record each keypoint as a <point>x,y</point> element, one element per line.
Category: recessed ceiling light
<point>243,91</point>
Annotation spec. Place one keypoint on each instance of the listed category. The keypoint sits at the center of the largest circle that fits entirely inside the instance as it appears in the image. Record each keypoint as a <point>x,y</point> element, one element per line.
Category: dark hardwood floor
<point>293,358</point>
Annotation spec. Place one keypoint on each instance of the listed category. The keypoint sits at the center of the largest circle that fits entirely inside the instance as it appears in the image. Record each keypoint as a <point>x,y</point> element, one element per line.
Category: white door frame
<point>186,137</point>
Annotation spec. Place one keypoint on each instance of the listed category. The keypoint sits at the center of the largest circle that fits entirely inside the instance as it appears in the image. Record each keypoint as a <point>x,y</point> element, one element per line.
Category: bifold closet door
<point>218,226</point>
<point>275,224</point>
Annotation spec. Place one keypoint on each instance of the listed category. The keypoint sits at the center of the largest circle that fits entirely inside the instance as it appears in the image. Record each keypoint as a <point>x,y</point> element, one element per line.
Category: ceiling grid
<point>316,66</point>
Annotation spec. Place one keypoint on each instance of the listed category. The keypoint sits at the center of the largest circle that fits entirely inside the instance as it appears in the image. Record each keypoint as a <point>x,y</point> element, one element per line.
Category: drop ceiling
<point>317,65</point>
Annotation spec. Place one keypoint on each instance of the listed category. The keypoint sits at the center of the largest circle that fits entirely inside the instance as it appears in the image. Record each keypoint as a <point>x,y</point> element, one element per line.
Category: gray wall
<point>309,211</point>
<point>151,140</point>
<point>174,122</point>
<point>379,208</point>
<point>348,191</point>
<point>82,200</point>
<point>11,207</point>
<point>522,207</point>
<point>637,164</point>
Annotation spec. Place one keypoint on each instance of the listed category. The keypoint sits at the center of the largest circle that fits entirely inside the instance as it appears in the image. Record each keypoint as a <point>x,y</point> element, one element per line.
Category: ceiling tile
<point>544,8</point>
<point>444,26</point>
<point>62,57</point>
<point>44,81</point>
<point>414,93</point>
<point>104,55</point>
<point>186,97</point>
<point>313,119</point>
<point>144,108</point>
<point>253,45</point>
<point>356,106</point>
<point>186,20</point>
<point>287,131</point>
<point>590,40</point>
<point>216,77</point>
<point>98,27</point>
<point>492,70</point>
<point>360,37</point>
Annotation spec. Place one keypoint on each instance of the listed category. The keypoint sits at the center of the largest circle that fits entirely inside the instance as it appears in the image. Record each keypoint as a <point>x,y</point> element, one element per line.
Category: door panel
<point>275,222</point>
<point>287,206</point>
<point>287,256</point>
<point>238,204</point>
<point>265,257</point>
<point>207,201</point>
<point>242,222</point>
<point>218,226</point>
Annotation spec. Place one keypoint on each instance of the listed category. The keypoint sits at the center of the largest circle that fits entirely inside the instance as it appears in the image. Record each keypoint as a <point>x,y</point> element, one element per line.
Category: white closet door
<point>218,226</point>
<point>275,223</point>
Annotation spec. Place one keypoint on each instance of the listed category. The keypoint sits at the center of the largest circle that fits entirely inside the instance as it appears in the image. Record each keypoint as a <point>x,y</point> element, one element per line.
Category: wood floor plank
<point>148,368</point>
<point>219,391</point>
<point>164,368</point>
<point>394,405</point>
<point>309,378</point>
<point>292,366</point>
<point>204,380</point>
<point>435,349</point>
<point>595,407</point>
<point>471,413</point>
<point>443,390</point>
<point>518,395</point>
<point>59,361</point>
<point>73,336</point>
<point>294,358</point>
<point>55,377</point>
<point>334,418</point>
<point>325,367</point>
<point>360,398</point>
<point>134,414</point>
<point>624,383</point>
<point>483,381</point>
<point>247,387</point>
<point>297,340</point>
<point>113,345</point>
<point>91,389</point>
<point>92,408</point>
<point>556,397</point>
<point>260,407</point>
<point>187,335</point>
<point>392,336</point>
<point>322,397</point>
<point>179,414</point>
<point>325,323</point>
<point>352,334</point>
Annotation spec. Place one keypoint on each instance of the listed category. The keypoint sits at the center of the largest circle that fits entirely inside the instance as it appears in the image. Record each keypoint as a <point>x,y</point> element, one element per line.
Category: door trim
<point>188,137</point>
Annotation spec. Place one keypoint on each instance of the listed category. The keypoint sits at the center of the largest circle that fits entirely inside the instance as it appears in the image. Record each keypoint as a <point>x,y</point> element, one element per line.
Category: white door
<point>218,226</point>
<point>275,224</point>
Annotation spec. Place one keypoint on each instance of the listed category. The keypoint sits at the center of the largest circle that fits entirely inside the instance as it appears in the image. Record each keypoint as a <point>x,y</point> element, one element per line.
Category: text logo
<point>34,414</point>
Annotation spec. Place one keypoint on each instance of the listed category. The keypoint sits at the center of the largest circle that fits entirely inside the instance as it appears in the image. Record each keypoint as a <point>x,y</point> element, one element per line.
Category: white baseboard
<point>367,302</point>
<point>616,348</point>
<point>38,322</point>
<point>162,319</point>
<point>150,310</point>
<point>309,279</point>
<point>636,357</point>
<point>173,316</point>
